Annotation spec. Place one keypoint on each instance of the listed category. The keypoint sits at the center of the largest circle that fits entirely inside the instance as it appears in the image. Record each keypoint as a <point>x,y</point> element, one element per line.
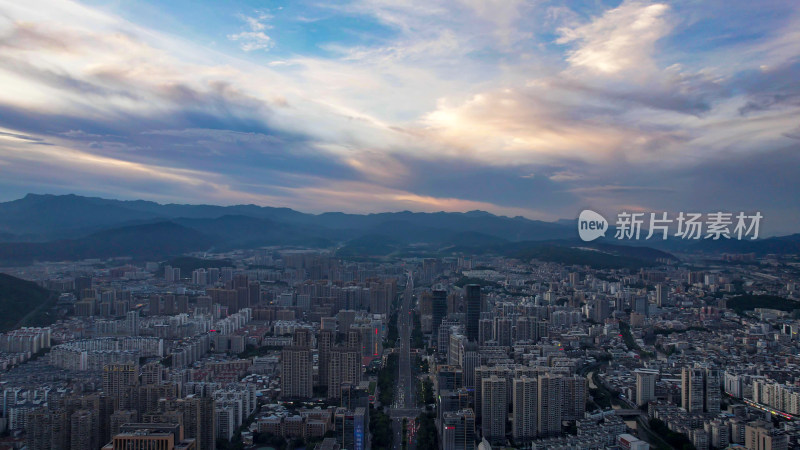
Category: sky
<point>532,108</point>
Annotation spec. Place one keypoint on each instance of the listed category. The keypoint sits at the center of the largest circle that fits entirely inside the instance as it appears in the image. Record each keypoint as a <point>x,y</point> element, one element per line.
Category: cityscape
<point>557,344</point>
<point>399,224</point>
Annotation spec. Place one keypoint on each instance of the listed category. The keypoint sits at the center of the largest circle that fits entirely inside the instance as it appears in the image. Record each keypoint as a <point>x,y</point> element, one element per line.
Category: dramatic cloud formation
<point>517,107</point>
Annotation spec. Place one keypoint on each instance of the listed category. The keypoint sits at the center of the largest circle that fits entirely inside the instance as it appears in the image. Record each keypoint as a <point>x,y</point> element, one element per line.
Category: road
<point>405,404</point>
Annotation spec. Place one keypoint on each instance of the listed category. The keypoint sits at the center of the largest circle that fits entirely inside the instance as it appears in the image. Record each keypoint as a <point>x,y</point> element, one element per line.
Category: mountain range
<point>60,227</point>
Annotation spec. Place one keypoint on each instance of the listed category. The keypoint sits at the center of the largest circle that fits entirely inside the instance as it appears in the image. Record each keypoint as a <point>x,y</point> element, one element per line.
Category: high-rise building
<point>296,367</point>
<point>600,310</point>
<point>661,295</point>
<point>154,305</point>
<point>530,329</point>
<point>351,427</point>
<point>712,387</point>
<point>524,409</point>
<point>132,322</point>
<point>471,360</point>
<point>472,300</point>
<point>325,342</point>
<point>118,379</point>
<point>692,389</point>
<point>494,409</point>
<point>438,312</point>
<point>458,430</point>
<point>502,331</point>
<point>641,305</point>
<point>645,385</point>
<point>199,420</point>
<point>344,366</point>
<point>46,430</point>
<point>573,406</point>
<point>84,430</point>
<point>700,389</point>
<point>550,398</point>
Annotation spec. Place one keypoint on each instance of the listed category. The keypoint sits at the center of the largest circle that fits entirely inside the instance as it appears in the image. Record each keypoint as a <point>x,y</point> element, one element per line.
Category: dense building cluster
<point>275,345</point>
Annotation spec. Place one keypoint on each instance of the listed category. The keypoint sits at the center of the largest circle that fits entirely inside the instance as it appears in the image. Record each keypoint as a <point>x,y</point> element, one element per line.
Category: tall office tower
<point>573,406</point>
<point>645,385</point>
<point>471,360</point>
<point>457,345</point>
<point>472,300</point>
<point>548,412</point>
<point>132,323</point>
<point>524,409</point>
<point>692,387</point>
<point>574,279</point>
<point>118,379</point>
<point>494,411</point>
<point>661,295</point>
<point>296,368</point>
<point>443,340</point>
<point>711,388</point>
<point>84,430</point>
<point>169,274</point>
<point>439,311</point>
<point>350,427</point>
<point>46,430</point>
<point>458,430</point>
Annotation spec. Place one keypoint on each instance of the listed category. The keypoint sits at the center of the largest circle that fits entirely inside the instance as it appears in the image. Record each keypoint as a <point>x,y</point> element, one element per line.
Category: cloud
<point>621,40</point>
<point>511,107</point>
<point>254,38</point>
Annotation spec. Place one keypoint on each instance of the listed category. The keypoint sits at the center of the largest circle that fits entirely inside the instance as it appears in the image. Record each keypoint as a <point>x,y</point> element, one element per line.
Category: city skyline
<point>538,110</point>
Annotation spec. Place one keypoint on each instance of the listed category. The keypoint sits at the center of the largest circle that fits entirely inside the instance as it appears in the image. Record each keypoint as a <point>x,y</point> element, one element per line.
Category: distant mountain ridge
<point>61,227</point>
<point>47,217</point>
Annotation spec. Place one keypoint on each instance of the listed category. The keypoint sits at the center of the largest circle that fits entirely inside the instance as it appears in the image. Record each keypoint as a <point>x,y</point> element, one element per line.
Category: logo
<point>591,225</point>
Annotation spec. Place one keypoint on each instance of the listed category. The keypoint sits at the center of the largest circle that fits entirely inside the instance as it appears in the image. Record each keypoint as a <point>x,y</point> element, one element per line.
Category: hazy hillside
<point>149,241</point>
<point>21,299</point>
